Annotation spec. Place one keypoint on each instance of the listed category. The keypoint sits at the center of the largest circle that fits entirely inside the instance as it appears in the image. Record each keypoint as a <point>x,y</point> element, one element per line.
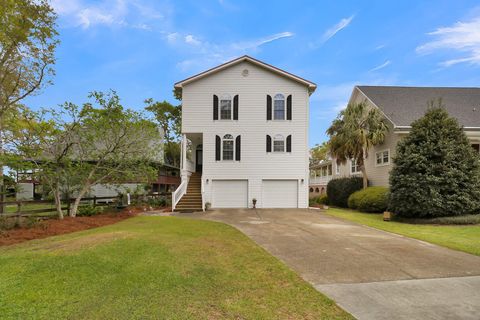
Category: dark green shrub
<point>371,199</point>
<point>436,172</point>
<point>87,211</point>
<point>157,202</point>
<point>338,190</point>
<point>323,199</point>
<point>312,201</point>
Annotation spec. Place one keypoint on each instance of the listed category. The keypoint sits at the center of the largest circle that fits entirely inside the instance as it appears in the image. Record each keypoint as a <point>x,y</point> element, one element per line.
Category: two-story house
<point>244,137</point>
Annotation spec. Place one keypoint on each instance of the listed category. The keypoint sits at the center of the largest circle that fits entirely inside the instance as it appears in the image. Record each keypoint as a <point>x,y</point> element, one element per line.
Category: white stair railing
<point>178,194</point>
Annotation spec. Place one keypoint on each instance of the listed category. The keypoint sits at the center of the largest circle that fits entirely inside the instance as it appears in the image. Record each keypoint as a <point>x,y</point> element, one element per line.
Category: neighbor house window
<point>279,107</point>
<point>382,158</point>
<point>226,107</point>
<point>337,168</point>
<point>278,143</point>
<point>324,171</point>
<point>476,147</point>
<point>354,168</point>
<point>227,147</point>
<point>329,169</point>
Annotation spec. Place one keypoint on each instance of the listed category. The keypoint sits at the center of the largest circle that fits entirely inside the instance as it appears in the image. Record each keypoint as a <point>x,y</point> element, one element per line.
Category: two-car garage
<point>274,193</point>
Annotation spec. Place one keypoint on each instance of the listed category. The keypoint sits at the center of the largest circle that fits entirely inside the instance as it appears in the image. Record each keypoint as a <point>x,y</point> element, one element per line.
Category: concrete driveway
<point>370,273</point>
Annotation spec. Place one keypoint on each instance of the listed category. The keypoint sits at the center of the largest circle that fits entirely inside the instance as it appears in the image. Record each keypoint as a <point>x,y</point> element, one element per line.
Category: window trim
<point>279,137</point>
<point>383,163</point>
<point>284,107</point>
<point>351,167</point>
<point>224,97</point>
<point>233,147</point>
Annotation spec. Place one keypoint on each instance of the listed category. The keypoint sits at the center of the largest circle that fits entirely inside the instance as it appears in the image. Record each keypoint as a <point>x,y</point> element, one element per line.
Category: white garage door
<point>280,194</point>
<point>229,193</point>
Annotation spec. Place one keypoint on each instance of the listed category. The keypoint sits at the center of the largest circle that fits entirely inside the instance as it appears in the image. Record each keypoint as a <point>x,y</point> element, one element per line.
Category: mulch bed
<point>51,227</point>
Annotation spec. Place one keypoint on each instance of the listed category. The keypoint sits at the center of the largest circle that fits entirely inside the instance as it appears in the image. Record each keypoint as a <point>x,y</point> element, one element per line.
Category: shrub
<point>87,211</point>
<point>371,199</point>
<point>312,201</point>
<point>436,172</point>
<point>338,190</point>
<point>157,202</point>
<point>323,199</point>
<point>455,220</point>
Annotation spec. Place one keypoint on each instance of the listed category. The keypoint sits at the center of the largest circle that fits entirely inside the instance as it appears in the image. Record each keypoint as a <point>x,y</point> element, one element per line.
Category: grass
<point>463,238</point>
<point>154,267</point>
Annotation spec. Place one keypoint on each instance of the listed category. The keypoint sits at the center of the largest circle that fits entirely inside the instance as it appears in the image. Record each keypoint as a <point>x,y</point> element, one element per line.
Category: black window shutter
<point>215,107</point>
<point>289,107</point>
<point>269,143</point>
<point>218,141</point>
<point>235,107</point>
<point>289,143</point>
<point>269,107</point>
<point>237,148</point>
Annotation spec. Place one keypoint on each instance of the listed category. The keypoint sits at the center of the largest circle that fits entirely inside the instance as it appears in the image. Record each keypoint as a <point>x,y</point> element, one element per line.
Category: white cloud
<point>172,37</point>
<point>461,37</point>
<point>342,24</point>
<point>383,65</point>
<point>190,39</point>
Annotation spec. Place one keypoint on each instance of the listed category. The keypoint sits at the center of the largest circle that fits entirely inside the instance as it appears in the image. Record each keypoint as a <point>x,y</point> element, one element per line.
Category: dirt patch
<point>53,227</point>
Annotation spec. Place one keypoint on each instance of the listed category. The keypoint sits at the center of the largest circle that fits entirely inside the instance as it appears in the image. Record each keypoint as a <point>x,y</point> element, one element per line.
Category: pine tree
<point>436,171</point>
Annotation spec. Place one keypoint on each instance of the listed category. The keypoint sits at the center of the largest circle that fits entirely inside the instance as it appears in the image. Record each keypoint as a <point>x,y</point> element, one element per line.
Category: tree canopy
<point>436,172</point>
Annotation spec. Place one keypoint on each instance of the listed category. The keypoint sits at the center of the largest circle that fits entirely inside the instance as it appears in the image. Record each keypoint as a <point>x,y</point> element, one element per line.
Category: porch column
<point>184,151</point>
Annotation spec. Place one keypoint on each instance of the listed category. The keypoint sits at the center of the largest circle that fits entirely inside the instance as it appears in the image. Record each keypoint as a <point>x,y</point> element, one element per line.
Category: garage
<point>280,193</point>
<point>229,193</point>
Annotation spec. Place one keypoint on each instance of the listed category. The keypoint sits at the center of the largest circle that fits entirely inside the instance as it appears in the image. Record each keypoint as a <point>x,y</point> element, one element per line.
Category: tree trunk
<point>364,176</point>
<point>76,203</point>
<point>58,201</point>
<point>3,208</point>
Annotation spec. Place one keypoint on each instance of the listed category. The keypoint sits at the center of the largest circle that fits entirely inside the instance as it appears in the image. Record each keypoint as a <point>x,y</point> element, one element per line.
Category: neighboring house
<point>400,107</point>
<point>167,181</point>
<point>320,174</point>
<point>244,137</point>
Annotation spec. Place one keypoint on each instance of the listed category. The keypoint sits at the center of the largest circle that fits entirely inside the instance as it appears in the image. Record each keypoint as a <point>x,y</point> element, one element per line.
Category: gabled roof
<point>311,86</point>
<point>403,105</point>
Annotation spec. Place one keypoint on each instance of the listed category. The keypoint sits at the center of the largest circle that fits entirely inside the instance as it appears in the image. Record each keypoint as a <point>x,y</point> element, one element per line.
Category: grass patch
<point>154,268</point>
<point>463,238</point>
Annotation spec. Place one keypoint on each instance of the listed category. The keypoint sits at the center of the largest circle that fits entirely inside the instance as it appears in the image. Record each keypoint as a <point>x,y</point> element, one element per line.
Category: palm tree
<point>355,130</point>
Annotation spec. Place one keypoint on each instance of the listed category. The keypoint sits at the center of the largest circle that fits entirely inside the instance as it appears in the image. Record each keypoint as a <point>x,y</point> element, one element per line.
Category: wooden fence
<point>24,207</point>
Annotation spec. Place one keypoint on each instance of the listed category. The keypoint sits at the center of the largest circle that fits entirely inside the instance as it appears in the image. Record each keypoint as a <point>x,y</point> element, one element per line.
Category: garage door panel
<point>229,193</point>
<point>280,193</point>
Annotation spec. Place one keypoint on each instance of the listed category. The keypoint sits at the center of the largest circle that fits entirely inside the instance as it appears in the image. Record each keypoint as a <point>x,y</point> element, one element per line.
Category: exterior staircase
<point>192,200</point>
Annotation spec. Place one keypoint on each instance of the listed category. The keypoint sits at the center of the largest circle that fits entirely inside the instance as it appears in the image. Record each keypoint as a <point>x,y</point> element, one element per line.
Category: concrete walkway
<point>370,273</point>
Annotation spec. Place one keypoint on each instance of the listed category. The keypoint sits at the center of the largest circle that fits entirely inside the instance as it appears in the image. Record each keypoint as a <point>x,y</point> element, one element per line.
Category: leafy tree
<point>356,129</point>
<point>318,153</point>
<point>28,40</point>
<point>74,148</point>
<point>169,117</point>
<point>436,172</point>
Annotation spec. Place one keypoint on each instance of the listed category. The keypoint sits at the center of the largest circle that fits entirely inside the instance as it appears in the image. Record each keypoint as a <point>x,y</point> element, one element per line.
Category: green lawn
<point>463,238</point>
<point>154,267</point>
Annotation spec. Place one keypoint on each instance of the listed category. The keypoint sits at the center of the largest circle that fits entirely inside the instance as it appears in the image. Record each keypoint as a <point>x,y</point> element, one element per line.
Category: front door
<point>198,167</point>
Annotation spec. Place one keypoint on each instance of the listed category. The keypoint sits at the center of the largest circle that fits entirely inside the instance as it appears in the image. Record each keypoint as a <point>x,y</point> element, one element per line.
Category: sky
<point>140,48</point>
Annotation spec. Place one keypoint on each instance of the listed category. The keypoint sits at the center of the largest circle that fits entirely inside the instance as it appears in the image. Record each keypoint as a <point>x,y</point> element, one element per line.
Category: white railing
<point>178,194</point>
<point>320,180</point>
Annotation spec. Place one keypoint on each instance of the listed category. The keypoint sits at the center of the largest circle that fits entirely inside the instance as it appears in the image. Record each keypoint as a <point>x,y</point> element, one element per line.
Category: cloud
<point>208,54</point>
<point>342,24</point>
<point>462,38</point>
<point>383,65</point>
<point>80,13</point>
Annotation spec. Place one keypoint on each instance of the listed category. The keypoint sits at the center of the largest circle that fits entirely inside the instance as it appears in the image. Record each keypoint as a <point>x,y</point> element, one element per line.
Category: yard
<point>464,238</point>
<point>154,267</point>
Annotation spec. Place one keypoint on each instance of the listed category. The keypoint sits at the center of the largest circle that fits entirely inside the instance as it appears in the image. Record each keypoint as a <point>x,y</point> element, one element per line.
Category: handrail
<point>178,194</point>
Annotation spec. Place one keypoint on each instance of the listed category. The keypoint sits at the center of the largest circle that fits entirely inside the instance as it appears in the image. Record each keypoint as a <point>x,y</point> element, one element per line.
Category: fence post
<point>19,211</point>
<point>94,201</point>
<point>68,206</point>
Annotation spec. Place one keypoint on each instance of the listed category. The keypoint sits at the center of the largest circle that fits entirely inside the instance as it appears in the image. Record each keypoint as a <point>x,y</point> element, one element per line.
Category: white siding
<point>256,164</point>
<point>25,191</point>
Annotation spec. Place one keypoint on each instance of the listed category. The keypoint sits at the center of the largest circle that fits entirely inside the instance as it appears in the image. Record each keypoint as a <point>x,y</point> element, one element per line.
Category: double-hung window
<point>279,107</point>
<point>226,107</point>
<point>382,158</point>
<point>227,147</point>
<point>278,143</point>
<point>355,167</point>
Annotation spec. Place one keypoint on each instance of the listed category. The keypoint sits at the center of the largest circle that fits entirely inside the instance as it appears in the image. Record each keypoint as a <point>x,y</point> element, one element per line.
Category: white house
<point>245,137</point>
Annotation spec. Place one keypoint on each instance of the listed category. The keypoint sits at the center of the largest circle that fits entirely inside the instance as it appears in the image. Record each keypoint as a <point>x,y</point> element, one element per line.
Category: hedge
<point>338,190</point>
<point>371,199</point>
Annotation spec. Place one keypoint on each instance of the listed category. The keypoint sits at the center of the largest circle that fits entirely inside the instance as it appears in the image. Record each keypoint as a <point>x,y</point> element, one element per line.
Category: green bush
<point>371,199</point>
<point>157,202</point>
<point>436,172</point>
<point>87,211</point>
<point>312,201</point>
<point>323,199</point>
<point>338,190</point>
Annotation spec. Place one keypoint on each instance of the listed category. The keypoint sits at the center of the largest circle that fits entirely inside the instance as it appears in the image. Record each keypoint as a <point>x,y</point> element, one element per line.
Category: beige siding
<point>256,164</point>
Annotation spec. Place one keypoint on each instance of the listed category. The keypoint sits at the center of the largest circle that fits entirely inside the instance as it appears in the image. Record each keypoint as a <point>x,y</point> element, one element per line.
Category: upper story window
<point>279,107</point>
<point>227,147</point>
<point>226,107</point>
<point>278,143</point>
<point>355,167</point>
<point>382,158</point>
